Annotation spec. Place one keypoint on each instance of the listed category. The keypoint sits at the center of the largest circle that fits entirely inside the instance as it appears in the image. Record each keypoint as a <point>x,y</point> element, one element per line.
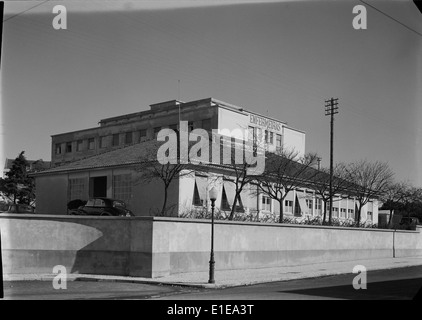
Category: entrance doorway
<point>98,187</point>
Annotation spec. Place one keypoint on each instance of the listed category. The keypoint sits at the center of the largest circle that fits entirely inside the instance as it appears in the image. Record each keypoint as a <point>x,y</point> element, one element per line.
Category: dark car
<point>409,223</point>
<point>16,208</point>
<point>103,207</point>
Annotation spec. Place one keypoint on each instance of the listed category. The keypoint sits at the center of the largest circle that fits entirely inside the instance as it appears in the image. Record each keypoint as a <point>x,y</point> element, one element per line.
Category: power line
<point>18,14</point>
<point>394,19</point>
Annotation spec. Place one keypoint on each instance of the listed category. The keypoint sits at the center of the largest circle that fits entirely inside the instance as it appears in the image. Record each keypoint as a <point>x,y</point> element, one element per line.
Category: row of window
<point>115,138</point>
<point>256,133</point>
<point>288,208</point>
<point>266,205</point>
<point>122,188</point>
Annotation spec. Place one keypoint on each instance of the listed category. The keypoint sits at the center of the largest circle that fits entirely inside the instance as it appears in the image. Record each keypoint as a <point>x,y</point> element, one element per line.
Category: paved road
<point>394,284</point>
<point>78,290</point>
<point>401,283</point>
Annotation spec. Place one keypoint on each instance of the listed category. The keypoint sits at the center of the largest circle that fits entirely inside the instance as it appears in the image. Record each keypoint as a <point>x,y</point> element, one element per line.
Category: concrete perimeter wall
<point>155,246</point>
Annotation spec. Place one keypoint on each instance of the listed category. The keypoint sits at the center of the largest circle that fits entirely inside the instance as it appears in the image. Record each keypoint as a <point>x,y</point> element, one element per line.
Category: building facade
<point>103,162</point>
<point>117,132</point>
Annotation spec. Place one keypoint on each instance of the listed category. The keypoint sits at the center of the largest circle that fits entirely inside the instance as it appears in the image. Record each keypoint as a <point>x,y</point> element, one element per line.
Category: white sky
<point>280,58</point>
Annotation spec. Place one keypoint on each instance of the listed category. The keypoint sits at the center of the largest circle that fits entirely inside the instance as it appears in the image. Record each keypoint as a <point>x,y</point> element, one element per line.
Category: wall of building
<point>145,199</point>
<point>293,139</point>
<point>154,246</point>
<point>132,123</point>
<point>51,194</point>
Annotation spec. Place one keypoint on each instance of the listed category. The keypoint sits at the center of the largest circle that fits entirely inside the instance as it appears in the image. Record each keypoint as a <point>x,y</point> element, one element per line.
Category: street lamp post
<point>213,197</point>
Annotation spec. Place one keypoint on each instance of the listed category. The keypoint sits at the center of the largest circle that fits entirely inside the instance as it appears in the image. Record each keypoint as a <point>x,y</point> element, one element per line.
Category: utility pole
<point>178,98</point>
<point>331,108</point>
<point>1,41</point>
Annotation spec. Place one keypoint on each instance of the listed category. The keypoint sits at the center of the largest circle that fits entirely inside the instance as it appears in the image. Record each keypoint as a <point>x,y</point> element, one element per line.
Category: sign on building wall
<point>265,122</point>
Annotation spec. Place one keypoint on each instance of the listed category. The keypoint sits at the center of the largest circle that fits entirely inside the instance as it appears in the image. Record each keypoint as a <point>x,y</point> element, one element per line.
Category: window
<point>128,138</point>
<point>288,206</point>
<point>69,147</point>
<point>278,141</point>
<point>99,203</point>
<point>266,203</point>
<point>206,124</point>
<point>79,145</point>
<point>76,188</point>
<point>266,136</point>
<point>350,213</point>
<point>271,137</point>
<point>91,144</point>
<point>318,204</point>
<point>58,148</point>
<point>156,130</point>
<point>143,135</point>
<point>122,187</point>
<point>369,215</point>
<point>103,142</point>
<point>252,138</point>
<point>342,213</point>
<point>190,126</point>
<point>335,212</point>
<point>115,141</point>
<point>309,204</point>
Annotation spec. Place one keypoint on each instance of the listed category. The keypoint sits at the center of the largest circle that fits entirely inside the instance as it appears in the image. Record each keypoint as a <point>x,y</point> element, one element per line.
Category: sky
<point>277,58</point>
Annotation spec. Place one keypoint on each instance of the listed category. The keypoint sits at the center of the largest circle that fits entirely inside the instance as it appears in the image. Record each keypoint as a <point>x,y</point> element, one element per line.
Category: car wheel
<point>105,213</point>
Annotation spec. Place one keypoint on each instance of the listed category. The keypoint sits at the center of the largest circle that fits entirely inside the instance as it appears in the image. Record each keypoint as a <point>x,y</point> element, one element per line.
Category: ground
<point>392,284</point>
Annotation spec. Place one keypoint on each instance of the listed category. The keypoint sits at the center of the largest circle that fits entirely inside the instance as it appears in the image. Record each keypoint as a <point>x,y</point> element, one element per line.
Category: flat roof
<point>182,105</point>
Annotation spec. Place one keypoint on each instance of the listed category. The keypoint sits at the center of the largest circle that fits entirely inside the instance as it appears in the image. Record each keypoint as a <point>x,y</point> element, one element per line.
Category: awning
<point>289,196</point>
<point>202,185</point>
<point>302,203</point>
<point>230,189</point>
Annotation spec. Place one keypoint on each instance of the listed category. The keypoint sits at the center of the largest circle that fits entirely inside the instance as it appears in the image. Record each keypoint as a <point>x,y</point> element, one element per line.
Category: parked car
<point>103,207</point>
<point>16,208</point>
<point>409,223</point>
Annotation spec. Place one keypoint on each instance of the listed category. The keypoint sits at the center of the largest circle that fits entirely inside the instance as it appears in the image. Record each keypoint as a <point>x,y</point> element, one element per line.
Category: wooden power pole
<point>331,108</point>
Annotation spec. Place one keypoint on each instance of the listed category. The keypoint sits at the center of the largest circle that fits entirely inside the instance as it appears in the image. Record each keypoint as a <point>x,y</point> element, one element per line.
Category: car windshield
<point>119,204</point>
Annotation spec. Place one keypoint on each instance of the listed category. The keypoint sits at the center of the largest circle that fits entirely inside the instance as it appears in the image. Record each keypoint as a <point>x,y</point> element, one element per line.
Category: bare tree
<point>241,173</point>
<point>321,184</point>
<point>368,180</point>
<point>412,200</point>
<point>394,196</point>
<point>151,168</point>
<point>284,172</point>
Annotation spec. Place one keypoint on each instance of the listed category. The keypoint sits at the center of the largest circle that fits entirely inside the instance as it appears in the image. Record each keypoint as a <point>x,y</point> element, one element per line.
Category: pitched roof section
<point>117,157</point>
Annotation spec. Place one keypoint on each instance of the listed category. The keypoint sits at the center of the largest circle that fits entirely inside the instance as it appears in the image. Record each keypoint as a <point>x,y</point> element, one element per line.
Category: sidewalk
<point>231,278</point>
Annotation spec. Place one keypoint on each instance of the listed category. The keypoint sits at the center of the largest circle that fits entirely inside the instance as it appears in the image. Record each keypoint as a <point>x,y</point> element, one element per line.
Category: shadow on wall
<point>123,249</point>
<point>85,245</point>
